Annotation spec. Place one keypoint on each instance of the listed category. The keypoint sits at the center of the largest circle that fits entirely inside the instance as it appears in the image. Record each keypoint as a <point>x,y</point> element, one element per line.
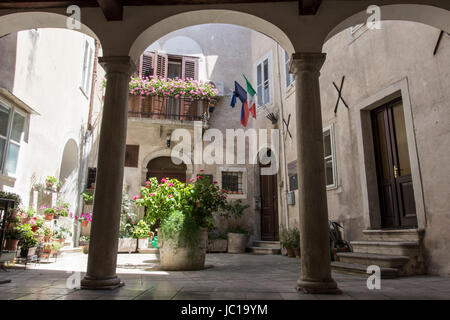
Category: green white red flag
<point>252,101</point>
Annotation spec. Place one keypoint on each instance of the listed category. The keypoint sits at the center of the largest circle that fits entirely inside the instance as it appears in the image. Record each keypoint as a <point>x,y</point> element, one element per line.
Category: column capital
<point>121,64</point>
<point>306,61</point>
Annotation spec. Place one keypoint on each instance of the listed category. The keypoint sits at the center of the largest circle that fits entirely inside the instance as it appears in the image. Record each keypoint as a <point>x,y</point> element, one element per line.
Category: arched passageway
<point>163,167</point>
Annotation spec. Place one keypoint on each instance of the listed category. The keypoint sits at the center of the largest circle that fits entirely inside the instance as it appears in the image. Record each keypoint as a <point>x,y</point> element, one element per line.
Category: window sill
<point>236,196</point>
<point>7,180</point>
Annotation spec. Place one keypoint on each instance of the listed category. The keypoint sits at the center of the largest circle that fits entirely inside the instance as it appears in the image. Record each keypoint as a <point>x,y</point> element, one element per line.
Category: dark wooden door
<point>180,176</point>
<point>397,204</point>
<point>269,207</point>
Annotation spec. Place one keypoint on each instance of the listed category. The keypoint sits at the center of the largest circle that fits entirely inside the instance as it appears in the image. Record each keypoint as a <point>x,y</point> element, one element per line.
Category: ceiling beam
<point>112,9</point>
<point>308,7</point>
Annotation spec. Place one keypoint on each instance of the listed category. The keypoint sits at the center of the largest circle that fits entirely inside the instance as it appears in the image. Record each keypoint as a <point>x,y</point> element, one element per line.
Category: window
<point>289,76</point>
<point>208,177</point>
<point>232,182</point>
<point>87,69</point>
<point>174,68</point>
<point>92,174</point>
<point>12,124</point>
<point>131,156</point>
<point>263,82</point>
<point>329,156</point>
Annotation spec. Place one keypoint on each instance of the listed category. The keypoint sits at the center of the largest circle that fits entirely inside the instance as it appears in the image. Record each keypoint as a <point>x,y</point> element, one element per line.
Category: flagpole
<point>283,146</point>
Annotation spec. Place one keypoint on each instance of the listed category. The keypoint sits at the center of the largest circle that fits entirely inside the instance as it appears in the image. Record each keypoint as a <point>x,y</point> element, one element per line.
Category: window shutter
<point>161,60</point>
<point>189,68</point>
<point>146,64</point>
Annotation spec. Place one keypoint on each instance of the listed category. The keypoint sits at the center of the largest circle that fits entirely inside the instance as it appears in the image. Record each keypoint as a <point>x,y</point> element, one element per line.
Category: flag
<point>240,93</point>
<point>252,94</point>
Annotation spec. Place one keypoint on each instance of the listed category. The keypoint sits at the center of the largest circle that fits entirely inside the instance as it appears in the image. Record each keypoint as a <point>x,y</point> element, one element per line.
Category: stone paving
<point>227,276</point>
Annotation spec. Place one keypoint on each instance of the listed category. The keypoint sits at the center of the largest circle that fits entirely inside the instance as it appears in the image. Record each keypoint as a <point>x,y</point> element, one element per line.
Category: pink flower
<point>169,196</point>
<point>136,197</point>
<point>198,203</point>
<point>163,180</point>
<point>76,217</point>
<point>151,194</point>
<point>214,182</point>
<point>192,180</point>
<point>171,184</point>
<point>202,170</point>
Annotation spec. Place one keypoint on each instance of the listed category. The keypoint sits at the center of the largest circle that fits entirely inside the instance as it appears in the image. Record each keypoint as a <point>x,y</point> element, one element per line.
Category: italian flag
<point>252,94</point>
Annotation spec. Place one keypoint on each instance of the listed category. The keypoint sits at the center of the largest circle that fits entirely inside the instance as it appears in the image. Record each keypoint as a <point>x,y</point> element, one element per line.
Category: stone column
<point>315,244</point>
<point>102,259</point>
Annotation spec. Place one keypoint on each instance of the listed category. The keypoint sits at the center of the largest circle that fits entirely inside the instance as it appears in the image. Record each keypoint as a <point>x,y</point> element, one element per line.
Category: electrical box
<point>257,203</point>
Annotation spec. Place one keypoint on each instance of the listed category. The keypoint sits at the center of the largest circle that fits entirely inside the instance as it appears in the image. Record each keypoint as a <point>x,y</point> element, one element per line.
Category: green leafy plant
<point>85,238</point>
<point>62,233</point>
<point>142,230</point>
<point>48,210</point>
<point>27,240</point>
<point>290,238</point>
<point>87,196</point>
<point>15,233</point>
<point>47,231</point>
<point>51,180</point>
<point>233,211</point>
<point>11,196</point>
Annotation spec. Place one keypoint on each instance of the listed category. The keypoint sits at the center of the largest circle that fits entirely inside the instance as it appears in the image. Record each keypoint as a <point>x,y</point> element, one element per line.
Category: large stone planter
<point>237,242</point>
<point>127,245</point>
<point>176,256</point>
<point>143,243</point>
<point>217,245</point>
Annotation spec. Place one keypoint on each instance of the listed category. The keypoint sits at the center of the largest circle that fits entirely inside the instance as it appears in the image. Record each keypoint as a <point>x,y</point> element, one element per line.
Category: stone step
<point>396,248</point>
<point>367,259</point>
<point>263,250</point>
<point>361,270</point>
<point>414,235</point>
<point>267,244</point>
<point>149,250</point>
<point>67,251</point>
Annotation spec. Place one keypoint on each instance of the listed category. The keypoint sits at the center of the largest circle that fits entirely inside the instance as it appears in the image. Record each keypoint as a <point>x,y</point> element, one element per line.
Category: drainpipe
<point>283,146</point>
<point>94,81</point>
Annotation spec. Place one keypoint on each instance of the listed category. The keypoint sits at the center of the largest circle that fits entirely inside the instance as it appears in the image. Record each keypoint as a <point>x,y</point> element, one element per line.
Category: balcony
<point>167,108</point>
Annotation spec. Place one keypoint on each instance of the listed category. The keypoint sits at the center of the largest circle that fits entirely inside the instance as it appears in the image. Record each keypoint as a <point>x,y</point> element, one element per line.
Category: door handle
<point>395,172</point>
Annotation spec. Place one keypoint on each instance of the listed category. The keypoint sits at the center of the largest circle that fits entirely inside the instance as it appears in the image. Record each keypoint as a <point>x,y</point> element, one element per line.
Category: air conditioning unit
<point>219,86</point>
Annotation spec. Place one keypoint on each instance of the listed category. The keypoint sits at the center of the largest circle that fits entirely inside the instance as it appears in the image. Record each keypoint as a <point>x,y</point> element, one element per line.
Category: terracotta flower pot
<point>49,216</point>
<point>290,252</point>
<point>84,223</point>
<point>62,241</point>
<point>297,252</point>
<point>49,185</point>
<point>47,238</point>
<point>11,244</point>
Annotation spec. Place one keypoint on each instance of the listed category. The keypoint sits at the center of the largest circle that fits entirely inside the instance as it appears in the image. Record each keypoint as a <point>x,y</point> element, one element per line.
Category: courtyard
<point>226,277</point>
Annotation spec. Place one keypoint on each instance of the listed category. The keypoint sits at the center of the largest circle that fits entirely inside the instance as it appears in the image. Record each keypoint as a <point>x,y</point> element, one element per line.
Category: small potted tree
<point>237,235</point>
<point>142,232</point>
<point>290,240</point>
<point>13,236</point>
<point>27,243</point>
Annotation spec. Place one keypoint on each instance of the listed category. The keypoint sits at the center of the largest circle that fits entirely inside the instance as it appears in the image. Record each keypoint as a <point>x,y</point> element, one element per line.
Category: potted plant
<point>13,236</point>
<point>61,234</point>
<point>47,234</point>
<point>27,243</point>
<point>217,241</point>
<point>50,181</point>
<point>84,243</point>
<point>87,197</point>
<point>26,215</point>
<point>58,186</point>
<point>85,218</point>
<point>63,210</point>
<point>236,234</point>
<point>127,223</point>
<point>49,213</point>
<point>142,232</point>
<point>12,214</point>
<point>184,212</point>
<point>290,240</point>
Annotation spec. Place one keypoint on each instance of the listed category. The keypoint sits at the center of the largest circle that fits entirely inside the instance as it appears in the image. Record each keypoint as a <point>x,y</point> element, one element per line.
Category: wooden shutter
<point>161,61</point>
<point>131,156</point>
<point>146,64</point>
<point>189,68</point>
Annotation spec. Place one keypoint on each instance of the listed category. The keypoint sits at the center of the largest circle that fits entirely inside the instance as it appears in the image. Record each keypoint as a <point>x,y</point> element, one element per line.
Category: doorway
<point>269,205</point>
<point>395,185</point>
<point>163,167</point>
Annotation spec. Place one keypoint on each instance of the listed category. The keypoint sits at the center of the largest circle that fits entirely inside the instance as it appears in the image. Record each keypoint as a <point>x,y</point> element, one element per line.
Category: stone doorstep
<point>149,250</point>
<point>386,261</point>
<point>262,250</point>
<point>267,244</point>
<point>361,270</point>
<point>394,235</point>
<point>399,248</point>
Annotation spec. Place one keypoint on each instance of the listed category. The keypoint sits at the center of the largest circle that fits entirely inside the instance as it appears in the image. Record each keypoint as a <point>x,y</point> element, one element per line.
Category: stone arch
<point>429,15</point>
<point>158,154</point>
<point>69,160</point>
<point>15,22</point>
<point>191,18</point>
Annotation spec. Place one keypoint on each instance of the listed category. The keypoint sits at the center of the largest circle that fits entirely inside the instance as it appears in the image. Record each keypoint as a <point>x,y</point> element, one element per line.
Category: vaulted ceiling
<point>113,9</point>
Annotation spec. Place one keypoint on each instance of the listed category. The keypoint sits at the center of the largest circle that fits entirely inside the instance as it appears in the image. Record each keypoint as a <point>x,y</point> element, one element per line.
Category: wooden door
<point>397,203</point>
<point>269,207</point>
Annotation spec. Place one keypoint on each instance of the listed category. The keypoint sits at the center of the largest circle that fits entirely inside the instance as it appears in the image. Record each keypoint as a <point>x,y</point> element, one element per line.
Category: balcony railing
<point>155,107</point>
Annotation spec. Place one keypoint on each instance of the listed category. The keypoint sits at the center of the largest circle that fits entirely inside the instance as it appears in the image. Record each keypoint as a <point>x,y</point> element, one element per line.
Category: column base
<point>313,287</point>
<point>90,283</point>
